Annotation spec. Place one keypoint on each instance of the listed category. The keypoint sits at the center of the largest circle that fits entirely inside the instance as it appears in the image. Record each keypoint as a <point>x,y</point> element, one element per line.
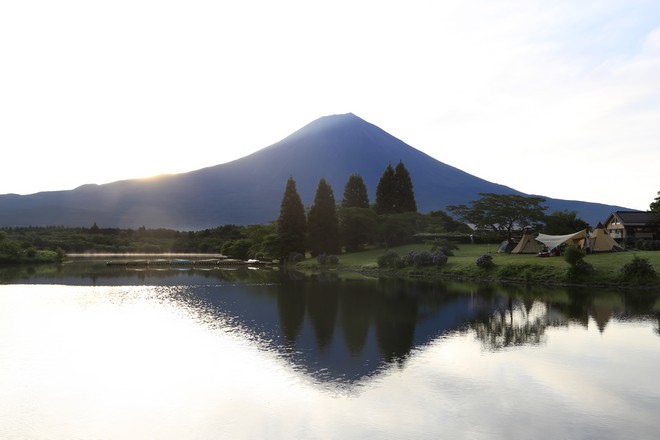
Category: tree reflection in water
<point>343,329</point>
<point>516,325</point>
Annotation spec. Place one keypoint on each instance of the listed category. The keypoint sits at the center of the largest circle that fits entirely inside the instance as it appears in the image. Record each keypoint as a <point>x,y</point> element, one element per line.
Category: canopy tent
<point>527,245</point>
<point>553,241</point>
<point>600,241</point>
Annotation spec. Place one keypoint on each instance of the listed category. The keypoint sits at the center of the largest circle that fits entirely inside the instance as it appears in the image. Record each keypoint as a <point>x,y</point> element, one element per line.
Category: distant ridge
<point>249,190</point>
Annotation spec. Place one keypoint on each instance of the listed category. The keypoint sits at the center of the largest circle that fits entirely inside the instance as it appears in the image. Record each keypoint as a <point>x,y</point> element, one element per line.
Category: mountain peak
<point>330,122</point>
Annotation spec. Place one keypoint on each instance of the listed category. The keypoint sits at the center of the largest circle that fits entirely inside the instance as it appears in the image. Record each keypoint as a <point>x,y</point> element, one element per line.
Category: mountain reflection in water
<point>344,330</point>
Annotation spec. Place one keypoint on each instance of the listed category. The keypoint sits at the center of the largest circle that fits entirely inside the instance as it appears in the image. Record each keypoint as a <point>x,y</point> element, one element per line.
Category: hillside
<point>249,190</point>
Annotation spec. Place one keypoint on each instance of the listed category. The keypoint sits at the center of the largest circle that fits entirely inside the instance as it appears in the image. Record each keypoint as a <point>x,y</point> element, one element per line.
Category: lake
<point>88,351</point>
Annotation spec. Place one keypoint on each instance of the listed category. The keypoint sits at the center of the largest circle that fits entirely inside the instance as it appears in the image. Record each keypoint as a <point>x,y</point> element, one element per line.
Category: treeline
<point>327,227</point>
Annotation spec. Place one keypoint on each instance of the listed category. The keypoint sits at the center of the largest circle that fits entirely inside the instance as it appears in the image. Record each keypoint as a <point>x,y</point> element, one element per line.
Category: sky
<point>560,98</point>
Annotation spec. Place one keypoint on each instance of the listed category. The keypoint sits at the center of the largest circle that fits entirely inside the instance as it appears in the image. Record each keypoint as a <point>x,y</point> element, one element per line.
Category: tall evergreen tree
<point>355,193</point>
<point>385,192</point>
<point>405,197</point>
<point>291,225</point>
<point>322,222</point>
<point>394,193</point>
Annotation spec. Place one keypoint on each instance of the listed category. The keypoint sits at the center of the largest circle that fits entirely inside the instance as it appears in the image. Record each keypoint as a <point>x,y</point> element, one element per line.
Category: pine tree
<point>355,193</point>
<point>322,222</point>
<point>291,225</point>
<point>385,192</point>
<point>405,197</point>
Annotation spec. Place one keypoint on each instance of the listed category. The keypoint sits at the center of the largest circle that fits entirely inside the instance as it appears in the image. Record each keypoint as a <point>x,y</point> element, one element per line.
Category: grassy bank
<point>508,267</point>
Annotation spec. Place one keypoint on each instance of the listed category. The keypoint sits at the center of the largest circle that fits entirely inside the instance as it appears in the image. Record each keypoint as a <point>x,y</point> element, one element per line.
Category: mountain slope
<point>249,190</point>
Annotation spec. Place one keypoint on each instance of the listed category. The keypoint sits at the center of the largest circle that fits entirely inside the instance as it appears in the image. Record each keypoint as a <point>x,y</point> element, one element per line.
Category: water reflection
<point>275,354</point>
<point>343,329</point>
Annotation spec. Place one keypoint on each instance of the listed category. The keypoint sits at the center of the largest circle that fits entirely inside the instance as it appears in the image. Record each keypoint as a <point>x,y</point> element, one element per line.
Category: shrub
<point>579,270</point>
<point>327,259</point>
<point>444,246</point>
<point>412,258</point>
<point>389,259</point>
<point>485,261</point>
<point>573,255</point>
<point>639,269</point>
<point>440,258</point>
<point>296,257</point>
<point>648,245</point>
<point>424,258</point>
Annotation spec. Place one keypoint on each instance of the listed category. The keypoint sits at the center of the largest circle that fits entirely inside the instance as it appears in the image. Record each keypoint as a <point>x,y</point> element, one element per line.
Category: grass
<point>508,267</point>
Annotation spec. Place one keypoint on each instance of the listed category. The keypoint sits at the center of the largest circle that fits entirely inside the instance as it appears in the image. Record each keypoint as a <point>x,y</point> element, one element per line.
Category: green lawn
<point>508,267</point>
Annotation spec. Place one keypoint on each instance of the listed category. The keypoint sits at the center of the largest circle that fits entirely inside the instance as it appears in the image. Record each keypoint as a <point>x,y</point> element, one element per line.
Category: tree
<point>291,224</point>
<point>355,193</point>
<point>398,229</point>
<point>440,221</point>
<point>655,204</point>
<point>502,213</point>
<point>385,198</point>
<point>404,196</point>
<point>394,193</point>
<point>239,249</point>
<point>322,222</point>
<point>563,222</point>
<point>262,237</point>
<point>357,227</point>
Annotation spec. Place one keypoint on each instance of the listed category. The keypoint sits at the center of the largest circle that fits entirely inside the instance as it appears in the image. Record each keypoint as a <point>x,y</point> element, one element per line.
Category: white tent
<point>553,241</point>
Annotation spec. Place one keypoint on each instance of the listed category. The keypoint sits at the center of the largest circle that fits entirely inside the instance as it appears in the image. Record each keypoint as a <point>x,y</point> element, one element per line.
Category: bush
<point>573,255</point>
<point>444,246</point>
<point>295,257</point>
<point>324,259</point>
<point>389,259</point>
<point>639,269</point>
<point>648,245</point>
<point>579,270</point>
<point>440,258</point>
<point>485,261</point>
<point>412,258</point>
<point>424,258</point>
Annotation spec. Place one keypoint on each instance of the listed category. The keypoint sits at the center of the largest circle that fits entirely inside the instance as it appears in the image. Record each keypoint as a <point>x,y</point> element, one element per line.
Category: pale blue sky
<point>535,95</point>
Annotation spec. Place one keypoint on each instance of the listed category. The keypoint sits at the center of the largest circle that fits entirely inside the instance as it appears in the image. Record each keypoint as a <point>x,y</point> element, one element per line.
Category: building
<point>633,225</point>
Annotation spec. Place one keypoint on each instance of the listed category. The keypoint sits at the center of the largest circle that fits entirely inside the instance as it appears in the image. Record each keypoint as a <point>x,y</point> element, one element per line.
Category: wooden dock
<point>187,263</point>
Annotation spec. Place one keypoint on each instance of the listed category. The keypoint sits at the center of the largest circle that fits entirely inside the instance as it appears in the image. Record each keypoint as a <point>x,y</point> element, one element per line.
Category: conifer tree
<point>355,193</point>
<point>405,196</point>
<point>322,222</point>
<point>385,192</point>
<point>291,225</point>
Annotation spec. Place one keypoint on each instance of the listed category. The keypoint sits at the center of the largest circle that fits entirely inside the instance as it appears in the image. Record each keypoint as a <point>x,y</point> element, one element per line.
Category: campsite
<point>529,269</point>
<point>551,245</point>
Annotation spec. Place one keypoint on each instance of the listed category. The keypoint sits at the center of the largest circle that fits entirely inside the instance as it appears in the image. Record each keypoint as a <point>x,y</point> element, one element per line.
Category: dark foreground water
<point>88,352</point>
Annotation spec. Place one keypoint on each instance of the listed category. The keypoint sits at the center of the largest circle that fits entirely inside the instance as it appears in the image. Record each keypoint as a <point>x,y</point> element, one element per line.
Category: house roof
<point>637,217</point>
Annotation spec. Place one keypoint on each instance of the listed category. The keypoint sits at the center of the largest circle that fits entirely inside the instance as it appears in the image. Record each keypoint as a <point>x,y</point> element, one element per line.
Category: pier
<point>206,263</point>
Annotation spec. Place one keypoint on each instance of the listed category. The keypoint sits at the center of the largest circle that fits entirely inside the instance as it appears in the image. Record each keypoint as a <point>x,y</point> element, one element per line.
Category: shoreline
<point>443,275</point>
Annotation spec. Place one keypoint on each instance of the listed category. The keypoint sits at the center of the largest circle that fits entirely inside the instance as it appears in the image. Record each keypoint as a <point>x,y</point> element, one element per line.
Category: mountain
<point>249,190</point>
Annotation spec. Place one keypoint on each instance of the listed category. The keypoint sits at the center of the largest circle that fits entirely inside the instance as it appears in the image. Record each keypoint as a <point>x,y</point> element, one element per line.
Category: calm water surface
<point>89,352</point>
